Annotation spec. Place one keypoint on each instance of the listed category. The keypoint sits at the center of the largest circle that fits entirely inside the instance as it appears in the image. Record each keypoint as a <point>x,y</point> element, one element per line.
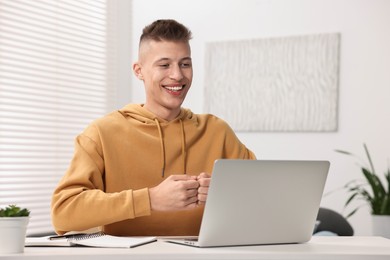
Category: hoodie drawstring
<point>162,146</point>
<point>183,147</point>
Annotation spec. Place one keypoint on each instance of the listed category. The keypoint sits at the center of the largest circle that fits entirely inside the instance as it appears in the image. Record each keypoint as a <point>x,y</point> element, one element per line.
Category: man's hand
<point>204,183</point>
<point>177,192</point>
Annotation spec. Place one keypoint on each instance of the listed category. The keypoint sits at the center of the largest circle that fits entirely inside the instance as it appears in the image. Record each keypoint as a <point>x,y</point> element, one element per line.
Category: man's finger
<point>204,182</point>
<point>203,190</point>
<point>190,184</point>
<point>202,198</point>
<point>192,200</point>
<point>182,177</point>
<point>192,193</point>
<point>203,175</point>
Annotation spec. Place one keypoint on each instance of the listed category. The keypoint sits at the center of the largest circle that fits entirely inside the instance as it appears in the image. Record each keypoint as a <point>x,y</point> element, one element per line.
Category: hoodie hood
<point>139,113</point>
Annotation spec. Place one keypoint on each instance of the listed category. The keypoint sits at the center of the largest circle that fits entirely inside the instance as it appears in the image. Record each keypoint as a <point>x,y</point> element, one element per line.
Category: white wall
<point>364,87</point>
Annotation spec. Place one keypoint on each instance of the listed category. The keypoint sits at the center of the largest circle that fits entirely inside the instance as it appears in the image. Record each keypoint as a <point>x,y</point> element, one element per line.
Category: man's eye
<point>186,65</point>
<point>164,65</point>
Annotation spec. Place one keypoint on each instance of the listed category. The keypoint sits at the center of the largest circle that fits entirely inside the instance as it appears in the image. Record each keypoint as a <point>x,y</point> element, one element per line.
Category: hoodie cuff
<point>141,202</point>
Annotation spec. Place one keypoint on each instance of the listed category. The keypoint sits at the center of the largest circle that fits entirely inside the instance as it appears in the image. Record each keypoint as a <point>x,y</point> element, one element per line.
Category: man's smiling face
<point>166,69</point>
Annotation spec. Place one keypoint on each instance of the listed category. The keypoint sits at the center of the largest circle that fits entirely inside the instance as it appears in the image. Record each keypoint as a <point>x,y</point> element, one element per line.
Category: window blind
<point>57,74</point>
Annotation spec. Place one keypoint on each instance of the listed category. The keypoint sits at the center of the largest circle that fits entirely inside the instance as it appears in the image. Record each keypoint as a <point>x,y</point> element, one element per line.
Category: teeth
<point>176,88</point>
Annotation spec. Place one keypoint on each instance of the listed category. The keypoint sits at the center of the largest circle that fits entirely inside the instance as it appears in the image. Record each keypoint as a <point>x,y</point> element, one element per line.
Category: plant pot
<point>381,225</point>
<point>13,234</point>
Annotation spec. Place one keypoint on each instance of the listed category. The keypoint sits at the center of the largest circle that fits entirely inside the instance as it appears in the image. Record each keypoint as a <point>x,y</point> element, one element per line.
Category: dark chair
<point>334,222</point>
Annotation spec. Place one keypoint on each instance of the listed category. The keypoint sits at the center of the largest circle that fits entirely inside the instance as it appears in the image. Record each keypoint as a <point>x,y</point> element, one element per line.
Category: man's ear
<point>137,71</point>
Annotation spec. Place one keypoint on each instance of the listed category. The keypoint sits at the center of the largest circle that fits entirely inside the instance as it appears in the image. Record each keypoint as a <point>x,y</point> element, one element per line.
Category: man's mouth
<point>174,88</point>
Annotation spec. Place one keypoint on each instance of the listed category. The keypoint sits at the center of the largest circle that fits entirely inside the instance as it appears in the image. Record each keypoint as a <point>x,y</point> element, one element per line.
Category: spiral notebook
<point>98,239</point>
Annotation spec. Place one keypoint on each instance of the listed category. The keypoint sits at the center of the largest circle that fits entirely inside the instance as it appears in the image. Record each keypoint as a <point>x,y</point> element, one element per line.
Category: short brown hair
<point>168,30</point>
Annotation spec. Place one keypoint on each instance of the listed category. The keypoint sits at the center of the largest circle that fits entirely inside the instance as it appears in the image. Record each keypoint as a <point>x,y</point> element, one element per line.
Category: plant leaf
<point>344,152</point>
<point>375,183</point>
<point>377,196</point>
<point>14,211</point>
<point>352,212</point>
<point>384,209</point>
<point>351,198</point>
<point>369,158</point>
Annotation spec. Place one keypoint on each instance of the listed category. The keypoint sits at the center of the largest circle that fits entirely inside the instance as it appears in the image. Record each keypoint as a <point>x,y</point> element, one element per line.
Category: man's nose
<point>176,73</point>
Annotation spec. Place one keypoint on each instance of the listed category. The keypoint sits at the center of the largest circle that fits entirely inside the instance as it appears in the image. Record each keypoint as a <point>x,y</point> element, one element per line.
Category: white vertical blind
<point>57,74</point>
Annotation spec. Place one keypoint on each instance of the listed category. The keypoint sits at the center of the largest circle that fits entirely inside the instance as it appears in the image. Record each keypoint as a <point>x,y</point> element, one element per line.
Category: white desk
<point>334,248</point>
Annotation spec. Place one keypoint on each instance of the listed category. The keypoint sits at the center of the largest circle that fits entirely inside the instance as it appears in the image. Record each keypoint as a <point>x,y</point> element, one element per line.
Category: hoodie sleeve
<point>79,202</point>
<point>233,147</point>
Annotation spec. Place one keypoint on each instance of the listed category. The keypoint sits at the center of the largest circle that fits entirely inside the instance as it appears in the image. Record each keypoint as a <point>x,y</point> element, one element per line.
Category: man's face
<point>166,69</point>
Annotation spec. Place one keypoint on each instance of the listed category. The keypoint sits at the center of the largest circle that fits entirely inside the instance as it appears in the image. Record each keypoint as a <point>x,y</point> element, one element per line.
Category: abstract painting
<point>281,84</point>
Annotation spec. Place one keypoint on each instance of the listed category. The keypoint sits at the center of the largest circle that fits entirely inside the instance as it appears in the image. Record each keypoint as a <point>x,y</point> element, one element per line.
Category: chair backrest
<point>334,222</point>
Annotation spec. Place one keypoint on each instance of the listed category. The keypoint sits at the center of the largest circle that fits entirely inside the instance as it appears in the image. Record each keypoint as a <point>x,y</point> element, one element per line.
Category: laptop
<point>257,202</point>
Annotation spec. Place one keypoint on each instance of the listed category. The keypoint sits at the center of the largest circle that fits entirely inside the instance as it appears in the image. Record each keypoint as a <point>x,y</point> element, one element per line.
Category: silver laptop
<point>253,202</point>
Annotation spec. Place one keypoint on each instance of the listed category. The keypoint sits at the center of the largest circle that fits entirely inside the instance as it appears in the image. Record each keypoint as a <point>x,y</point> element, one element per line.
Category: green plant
<point>371,189</point>
<point>14,211</point>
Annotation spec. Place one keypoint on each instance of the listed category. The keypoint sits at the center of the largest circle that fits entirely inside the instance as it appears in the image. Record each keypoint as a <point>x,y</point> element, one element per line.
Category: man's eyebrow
<point>168,59</point>
<point>162,59</point>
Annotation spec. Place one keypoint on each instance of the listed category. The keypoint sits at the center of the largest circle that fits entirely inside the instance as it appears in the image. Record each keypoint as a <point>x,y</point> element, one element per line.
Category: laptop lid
<point>262,202</point>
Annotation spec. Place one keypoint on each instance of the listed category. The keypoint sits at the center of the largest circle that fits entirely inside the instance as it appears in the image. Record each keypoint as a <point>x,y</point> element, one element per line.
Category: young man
<point>144,170</point>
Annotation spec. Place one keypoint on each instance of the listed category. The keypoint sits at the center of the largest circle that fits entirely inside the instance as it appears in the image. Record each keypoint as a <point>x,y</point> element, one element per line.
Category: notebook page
<point>113,241</point>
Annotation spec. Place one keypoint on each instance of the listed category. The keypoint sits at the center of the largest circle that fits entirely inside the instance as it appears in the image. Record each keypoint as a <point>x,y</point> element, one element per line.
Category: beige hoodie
<point>118,157</point>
